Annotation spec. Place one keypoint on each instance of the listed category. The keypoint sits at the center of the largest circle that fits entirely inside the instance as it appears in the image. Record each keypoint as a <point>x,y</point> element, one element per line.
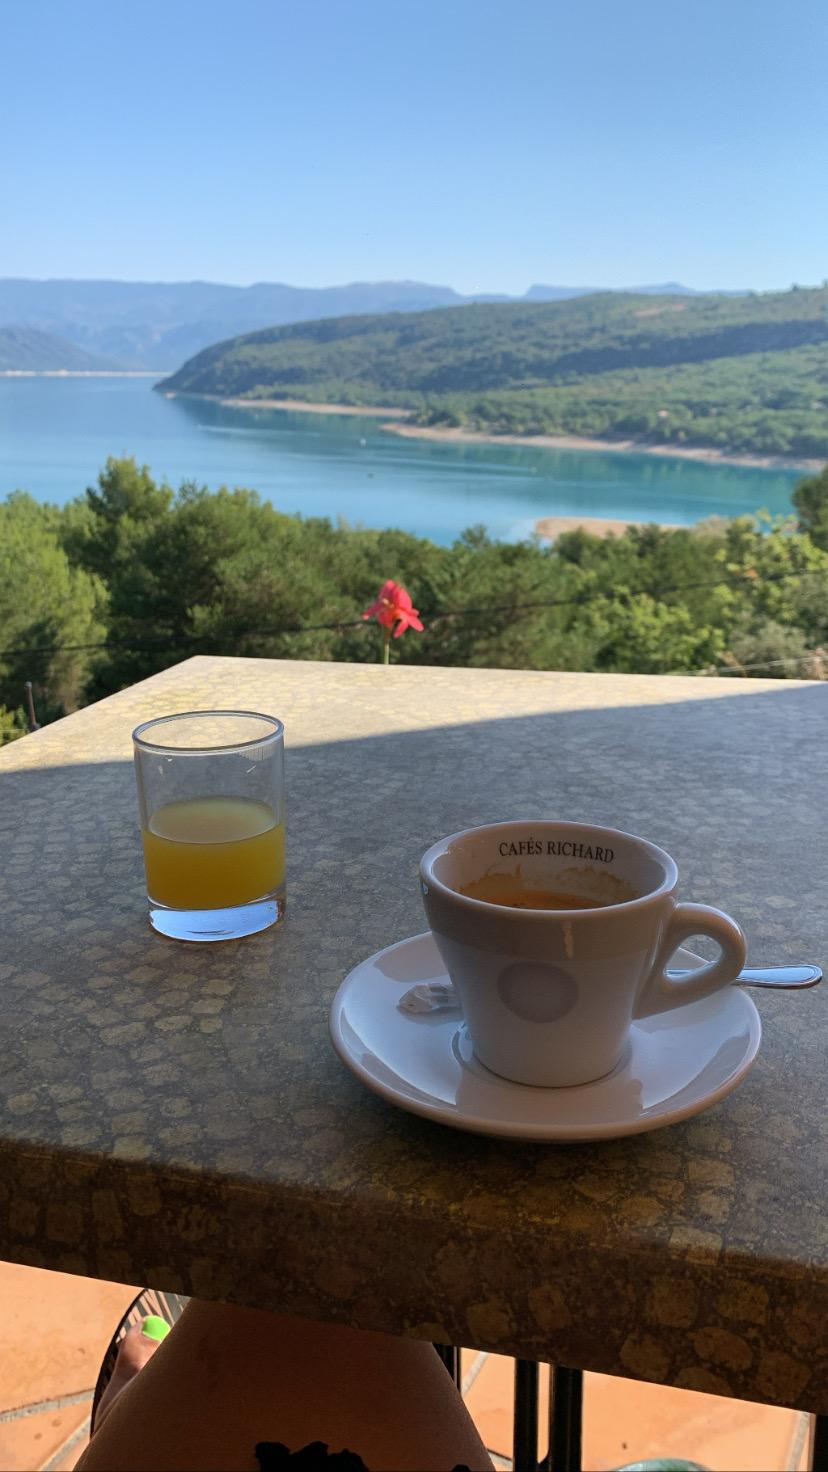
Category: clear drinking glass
<point>211,792</point>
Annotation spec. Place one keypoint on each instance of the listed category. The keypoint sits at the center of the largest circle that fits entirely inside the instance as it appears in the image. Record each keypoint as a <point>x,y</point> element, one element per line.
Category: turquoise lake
<point>55,435</point>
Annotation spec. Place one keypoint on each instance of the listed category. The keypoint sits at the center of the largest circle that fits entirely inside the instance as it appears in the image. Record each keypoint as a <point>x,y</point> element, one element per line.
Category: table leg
<point>566,1401</point>
<point>450,1355</point>
<point>525,1446</point>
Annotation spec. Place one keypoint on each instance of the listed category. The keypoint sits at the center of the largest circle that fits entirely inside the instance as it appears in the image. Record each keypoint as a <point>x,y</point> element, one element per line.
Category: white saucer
<point>677,1064</point>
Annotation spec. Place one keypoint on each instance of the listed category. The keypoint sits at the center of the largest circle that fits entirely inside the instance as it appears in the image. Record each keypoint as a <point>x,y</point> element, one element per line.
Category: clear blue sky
<point>486,144</point>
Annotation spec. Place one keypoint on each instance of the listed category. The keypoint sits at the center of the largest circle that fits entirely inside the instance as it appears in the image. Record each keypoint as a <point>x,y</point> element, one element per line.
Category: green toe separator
<point>155,1327</point>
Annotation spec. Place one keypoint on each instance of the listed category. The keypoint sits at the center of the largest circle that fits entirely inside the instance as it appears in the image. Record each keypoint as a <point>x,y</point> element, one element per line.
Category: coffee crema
<point>512,891</point>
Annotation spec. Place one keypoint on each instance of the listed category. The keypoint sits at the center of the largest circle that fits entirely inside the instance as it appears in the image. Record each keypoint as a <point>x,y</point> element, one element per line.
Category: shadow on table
<point>727,784</point>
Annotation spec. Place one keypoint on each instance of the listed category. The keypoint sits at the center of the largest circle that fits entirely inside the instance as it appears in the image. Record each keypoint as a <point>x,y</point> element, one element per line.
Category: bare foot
<point>135,1349</point>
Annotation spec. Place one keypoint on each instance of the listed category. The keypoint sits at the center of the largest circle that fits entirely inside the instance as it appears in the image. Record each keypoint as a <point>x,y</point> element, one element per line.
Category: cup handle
<point>660,993</point>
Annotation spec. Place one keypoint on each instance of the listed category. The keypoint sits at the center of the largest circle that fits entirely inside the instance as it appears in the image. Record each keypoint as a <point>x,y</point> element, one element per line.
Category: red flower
<point>394,606</point>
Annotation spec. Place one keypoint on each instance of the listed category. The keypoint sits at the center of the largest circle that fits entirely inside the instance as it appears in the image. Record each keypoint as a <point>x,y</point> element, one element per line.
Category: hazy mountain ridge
<point>28,350</point>
<point>541,293</point>
<point>160,325</point>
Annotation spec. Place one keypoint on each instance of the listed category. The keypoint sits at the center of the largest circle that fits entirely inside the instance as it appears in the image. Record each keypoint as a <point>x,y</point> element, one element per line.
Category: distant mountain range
<point>135,324</point>
<point>26,349</point>
<point>542,293</point>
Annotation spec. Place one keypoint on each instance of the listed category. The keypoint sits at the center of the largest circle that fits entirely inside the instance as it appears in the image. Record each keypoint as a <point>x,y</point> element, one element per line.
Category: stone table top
<point>175,1114</point>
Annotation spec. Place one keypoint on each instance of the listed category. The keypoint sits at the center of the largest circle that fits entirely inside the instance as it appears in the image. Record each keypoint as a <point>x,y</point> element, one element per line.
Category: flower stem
<point>386,646</point>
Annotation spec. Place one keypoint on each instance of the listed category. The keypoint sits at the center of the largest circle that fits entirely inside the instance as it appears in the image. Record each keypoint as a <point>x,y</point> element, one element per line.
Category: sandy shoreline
<point>538,441</point>
<point>299,406</point>
<point>624,447</point>
<point>550,527</point>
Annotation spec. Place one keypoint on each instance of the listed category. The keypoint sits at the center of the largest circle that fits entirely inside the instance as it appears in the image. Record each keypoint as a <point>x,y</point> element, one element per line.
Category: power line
<point>735,667</point>
<point>744,579</point>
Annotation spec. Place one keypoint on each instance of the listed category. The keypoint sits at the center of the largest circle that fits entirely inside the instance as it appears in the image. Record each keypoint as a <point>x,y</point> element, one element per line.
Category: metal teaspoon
<point>784,978</point>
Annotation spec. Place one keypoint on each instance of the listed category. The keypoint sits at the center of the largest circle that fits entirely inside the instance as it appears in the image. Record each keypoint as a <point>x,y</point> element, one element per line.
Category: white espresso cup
<point>548,995</point>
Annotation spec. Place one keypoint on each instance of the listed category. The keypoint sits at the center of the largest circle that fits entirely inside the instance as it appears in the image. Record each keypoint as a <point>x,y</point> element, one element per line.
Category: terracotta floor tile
<point>29,1442</point>
<point>69,1460</point>
<point>490,1401</point>
<point>628,1421</point>
<point>54,1329</point>
<point>803,1461</point>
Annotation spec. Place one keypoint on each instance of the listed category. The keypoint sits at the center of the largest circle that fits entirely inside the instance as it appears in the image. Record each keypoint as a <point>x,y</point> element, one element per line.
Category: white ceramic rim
<point>660,855</point>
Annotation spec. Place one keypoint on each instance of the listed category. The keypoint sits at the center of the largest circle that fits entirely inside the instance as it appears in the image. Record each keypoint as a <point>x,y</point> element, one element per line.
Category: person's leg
<point>227,1378</point>
<point>134,1352</point>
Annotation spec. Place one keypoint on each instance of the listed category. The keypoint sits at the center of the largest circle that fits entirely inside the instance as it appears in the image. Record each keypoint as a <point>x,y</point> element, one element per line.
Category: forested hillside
<point>745,374</point>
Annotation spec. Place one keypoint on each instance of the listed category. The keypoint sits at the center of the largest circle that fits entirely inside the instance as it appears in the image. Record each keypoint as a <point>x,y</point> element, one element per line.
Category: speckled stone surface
<point>175,1115</point>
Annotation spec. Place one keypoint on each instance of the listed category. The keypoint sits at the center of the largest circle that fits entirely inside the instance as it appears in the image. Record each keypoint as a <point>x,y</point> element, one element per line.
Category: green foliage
<point>105,535</point>
<point>46,602</point>
<point>12,725</point>
<point>740,374</point>
<point>811,501</point>
<point>160,575</point>
<point>768,646</point>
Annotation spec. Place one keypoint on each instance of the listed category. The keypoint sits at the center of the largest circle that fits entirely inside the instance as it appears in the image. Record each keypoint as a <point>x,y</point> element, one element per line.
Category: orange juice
<point>208,853</point>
